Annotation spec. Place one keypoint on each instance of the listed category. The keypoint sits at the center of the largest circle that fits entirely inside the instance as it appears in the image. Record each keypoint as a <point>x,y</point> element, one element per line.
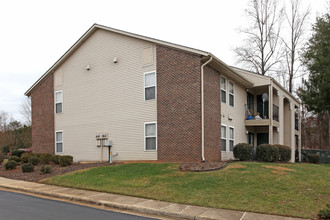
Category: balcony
<point>256,118</point>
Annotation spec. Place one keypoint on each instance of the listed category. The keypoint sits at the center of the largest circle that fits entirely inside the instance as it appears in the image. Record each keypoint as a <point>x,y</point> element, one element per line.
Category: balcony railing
<point>252,113</point>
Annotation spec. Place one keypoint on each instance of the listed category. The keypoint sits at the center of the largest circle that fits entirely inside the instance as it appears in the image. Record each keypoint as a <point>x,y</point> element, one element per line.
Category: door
<point>262,138</point>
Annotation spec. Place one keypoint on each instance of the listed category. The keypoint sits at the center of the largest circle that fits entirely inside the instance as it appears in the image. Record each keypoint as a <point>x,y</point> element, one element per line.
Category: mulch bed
<point>202,167</point>
<point>36,176</point>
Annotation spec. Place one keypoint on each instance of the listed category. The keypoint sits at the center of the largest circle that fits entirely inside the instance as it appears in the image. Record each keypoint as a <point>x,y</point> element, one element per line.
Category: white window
<point>223,137</point>
<point>58,102</point>
<point>223,89</point>
<point>150,136</point>
<point>231,93</point>
<point>59,142</point>
<point>150,86</point>
<point>231,138</point>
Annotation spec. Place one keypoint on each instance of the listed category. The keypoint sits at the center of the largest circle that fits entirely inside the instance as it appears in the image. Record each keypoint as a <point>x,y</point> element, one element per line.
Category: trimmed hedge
<point>27,168</point>
<point>284,152</point>
<point>34,160</point>
<point>17,153</point>
<point>14,158</point>
<point>46,169</point>
<point>1,157</point>
<point>243,151</point>
<point>314,158</point>
<point>25,157</point>
<point>10,165</point>
<point>55,159</point>
<point>45,158</point>
<point>66,160</point>
<point>267,153</point>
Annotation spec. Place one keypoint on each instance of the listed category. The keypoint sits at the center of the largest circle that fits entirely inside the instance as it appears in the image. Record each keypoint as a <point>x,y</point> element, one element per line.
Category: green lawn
<point>286,189</point>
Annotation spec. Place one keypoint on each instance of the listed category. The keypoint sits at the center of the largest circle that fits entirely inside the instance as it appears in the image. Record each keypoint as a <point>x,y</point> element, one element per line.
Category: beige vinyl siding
<point>237,115</point>
<point>107,98</point>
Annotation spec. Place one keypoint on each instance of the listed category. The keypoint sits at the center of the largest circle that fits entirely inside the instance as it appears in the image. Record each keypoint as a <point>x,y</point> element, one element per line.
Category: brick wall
<point>43,117</point>
<point>212,115</point>
<point>178,105</point>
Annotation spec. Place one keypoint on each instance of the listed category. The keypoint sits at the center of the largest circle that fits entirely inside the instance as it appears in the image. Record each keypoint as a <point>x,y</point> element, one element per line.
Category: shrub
<point>243,151</point>
<point>1,157</point>
<point>55,159</point>
<point>25,157</point>
<point>45,158</point>
<point>66,160</point>
<point>27,168</point>
<point>284,152</point>
<point>46,169</point>
<point>34,160</point>
<point>10,165</point>
<point>17,153</point>
<point>15,158</point>
<point>314,158</point>
<point>267,153</point>
<point>325,213</point>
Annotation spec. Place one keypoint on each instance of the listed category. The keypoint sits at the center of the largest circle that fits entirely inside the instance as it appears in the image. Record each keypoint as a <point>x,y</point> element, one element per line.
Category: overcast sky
<point>35,34</point>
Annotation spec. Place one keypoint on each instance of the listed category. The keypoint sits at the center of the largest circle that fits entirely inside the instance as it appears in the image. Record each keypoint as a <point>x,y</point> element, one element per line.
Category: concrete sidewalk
<point>128,203</point>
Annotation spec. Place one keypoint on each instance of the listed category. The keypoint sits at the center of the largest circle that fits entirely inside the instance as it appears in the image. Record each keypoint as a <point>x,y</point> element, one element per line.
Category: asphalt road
<point>20,206</point>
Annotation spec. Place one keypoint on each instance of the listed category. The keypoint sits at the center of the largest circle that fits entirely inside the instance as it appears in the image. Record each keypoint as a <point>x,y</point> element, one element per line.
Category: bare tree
<point>26,112</point>
<point>260,52</point>
<point>296,20</point>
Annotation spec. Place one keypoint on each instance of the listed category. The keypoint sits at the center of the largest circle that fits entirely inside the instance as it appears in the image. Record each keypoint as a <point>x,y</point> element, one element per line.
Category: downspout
<point>202,101</point>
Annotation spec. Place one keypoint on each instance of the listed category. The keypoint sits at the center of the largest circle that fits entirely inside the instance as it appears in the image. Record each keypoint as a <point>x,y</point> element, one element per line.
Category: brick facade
<point>212,115</point>
<point>178,105</point>
<point>42,97</point>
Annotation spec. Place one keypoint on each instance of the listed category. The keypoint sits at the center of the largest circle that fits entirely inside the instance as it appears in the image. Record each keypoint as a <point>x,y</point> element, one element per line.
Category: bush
<point>46,169</point>
<point>45,158</point>
<point>267,153</point>
<point>55,159</point>
<point>17,153</point>
<point>34,160</point>
<point>66,160</point>
<point>27,168</point>
<point>15,158</point>
<point>243,151</point>
<point>25,157</point>
<point>325,213</point>
<point>1,157</point>
<point>314,158</point>
<point>10,165</point>
<point>284,152</point>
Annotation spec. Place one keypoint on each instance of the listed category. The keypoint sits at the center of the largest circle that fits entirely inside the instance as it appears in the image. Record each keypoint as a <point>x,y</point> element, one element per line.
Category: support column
<point>270,113</point>
<point>281,119</point>
<point>292,133</point>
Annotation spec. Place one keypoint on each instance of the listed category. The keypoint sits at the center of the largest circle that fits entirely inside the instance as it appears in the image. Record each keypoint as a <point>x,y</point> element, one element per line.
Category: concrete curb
<point>134,204</point>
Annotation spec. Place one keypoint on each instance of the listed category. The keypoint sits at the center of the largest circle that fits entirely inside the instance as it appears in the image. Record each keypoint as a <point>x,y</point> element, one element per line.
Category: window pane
<point>223,83</point>
<point>231,100</point>
<point>150,93</point>
<point>223,96</point>
<point>59,137</point>
<point>231,133</point>
<point>58,107</point>
<point>150,79</point>
<point>58,97</point>
<point>151,143</point>
<point>150,129</point>
<point>231,87</point>
<point>231,145</point>
<point>59,147</point>
<point>223,131</point>
<point>223,144</point>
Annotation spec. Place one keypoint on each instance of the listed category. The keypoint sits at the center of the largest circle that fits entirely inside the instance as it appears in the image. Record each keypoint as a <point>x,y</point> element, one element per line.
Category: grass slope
<point>285,189</point>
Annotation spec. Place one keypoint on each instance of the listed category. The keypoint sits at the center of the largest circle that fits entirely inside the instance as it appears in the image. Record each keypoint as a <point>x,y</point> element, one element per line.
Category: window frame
<point>223,138</point>
<point>231,94</point>
<point>225,90</point>
<point>145,136</point>
<point>145,87</point>
<point>231,139</point>
<point>55,102</point>
<point>56,142</point>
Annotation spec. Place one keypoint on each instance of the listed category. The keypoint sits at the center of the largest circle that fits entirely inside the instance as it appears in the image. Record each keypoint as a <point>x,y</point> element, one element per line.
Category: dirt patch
<point>202,167</point>
<point>278,169</point>
<point>36,176</point>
